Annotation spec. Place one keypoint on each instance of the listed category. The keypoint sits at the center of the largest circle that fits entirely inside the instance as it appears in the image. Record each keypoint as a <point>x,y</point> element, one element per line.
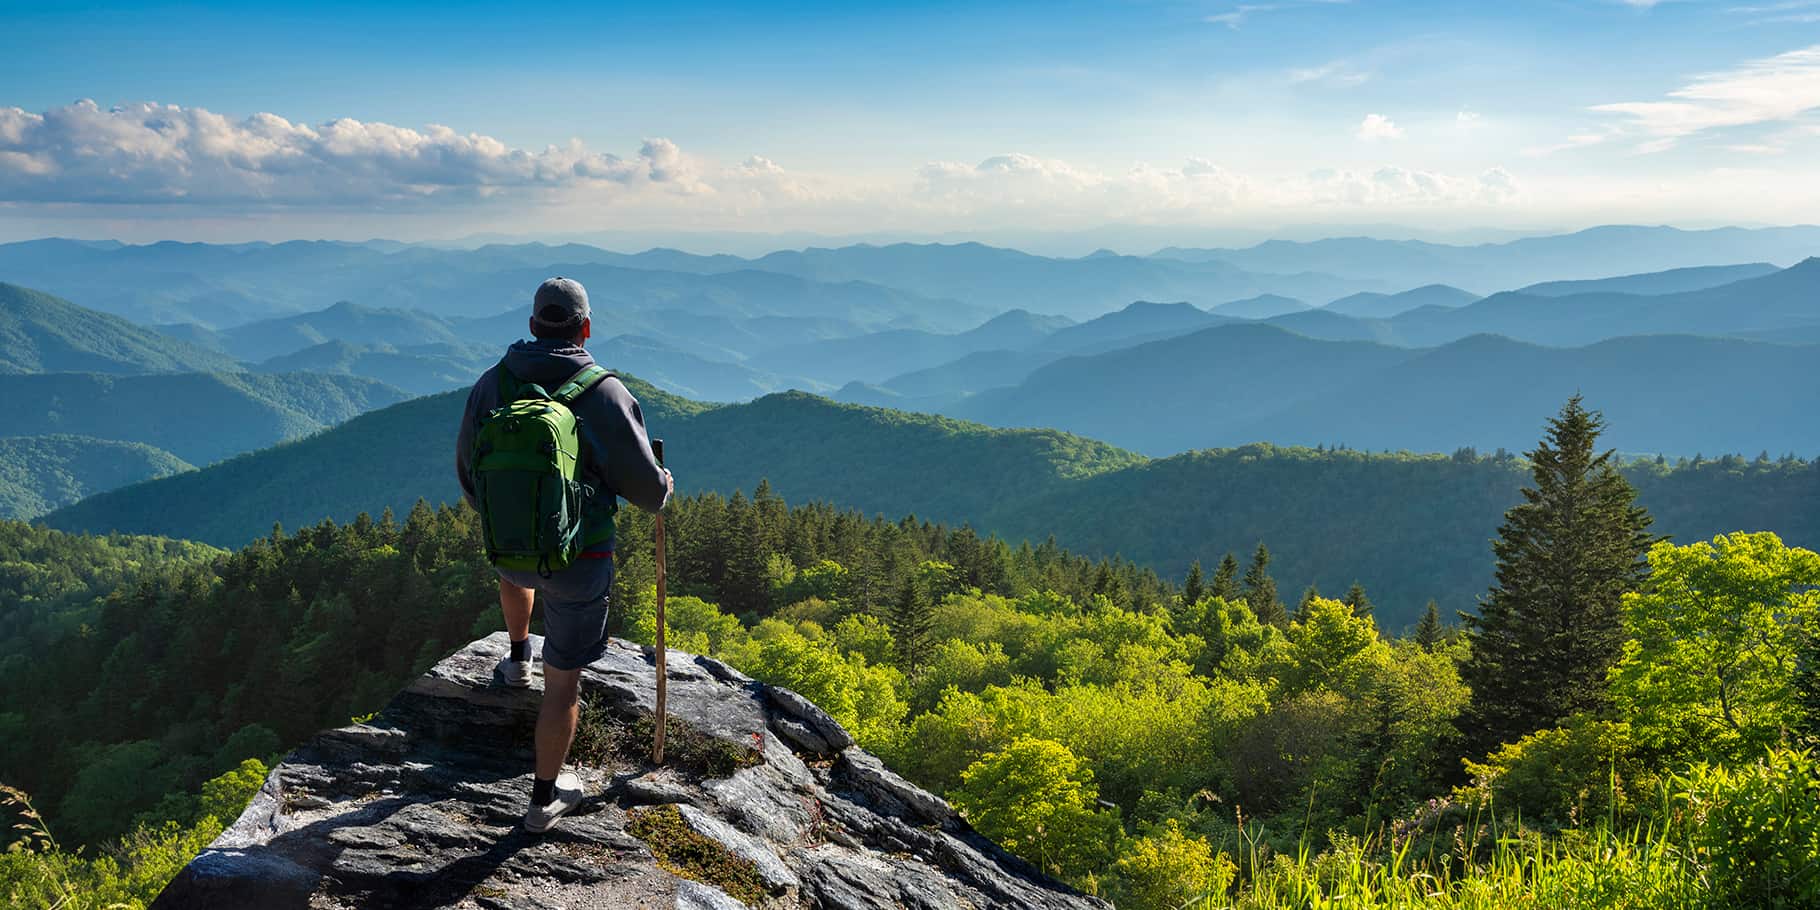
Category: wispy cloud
<point>1338,72</point>
<point>1238,14</point>
<point>1775,89</point>
<point>1578,140</point>
<point>1377,127</point>
<point>1784,12</point>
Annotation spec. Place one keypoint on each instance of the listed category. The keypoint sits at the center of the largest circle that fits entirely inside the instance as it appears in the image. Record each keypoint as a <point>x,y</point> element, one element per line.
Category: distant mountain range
<point>1593,253</point>
<point>1381,306</point>
<point>1231,385</point>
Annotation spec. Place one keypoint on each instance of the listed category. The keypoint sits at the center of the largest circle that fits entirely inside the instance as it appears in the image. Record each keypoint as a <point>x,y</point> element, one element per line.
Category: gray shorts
<point>574,610</point>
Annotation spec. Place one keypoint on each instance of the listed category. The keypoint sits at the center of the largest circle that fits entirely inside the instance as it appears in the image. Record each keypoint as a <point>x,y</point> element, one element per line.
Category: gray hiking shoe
<point>515,674</point>
<point>568,795</point>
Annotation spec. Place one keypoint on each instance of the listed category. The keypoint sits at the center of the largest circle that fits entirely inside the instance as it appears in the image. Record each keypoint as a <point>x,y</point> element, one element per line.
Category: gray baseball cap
<point>560,305</point>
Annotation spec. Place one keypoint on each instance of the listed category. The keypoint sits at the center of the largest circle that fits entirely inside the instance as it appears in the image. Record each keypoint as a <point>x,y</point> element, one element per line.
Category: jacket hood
<point>546,363</point>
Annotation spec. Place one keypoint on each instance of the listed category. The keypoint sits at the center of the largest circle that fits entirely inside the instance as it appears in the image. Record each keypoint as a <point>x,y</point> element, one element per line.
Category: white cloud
<point>167,154</point>
<point>1775,89</point>
<point>1377,127</point>
<point>1468,120</point>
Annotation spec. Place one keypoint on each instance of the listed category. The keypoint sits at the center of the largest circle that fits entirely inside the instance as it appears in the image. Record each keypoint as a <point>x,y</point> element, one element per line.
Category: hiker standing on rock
<point>548,441</point>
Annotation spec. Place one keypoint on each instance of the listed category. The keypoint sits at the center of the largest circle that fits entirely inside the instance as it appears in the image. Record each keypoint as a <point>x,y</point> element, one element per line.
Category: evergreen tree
<point>1261,590</point>
<point>1551,627</point>
<point>1308,597</point>
<point>1430,633</point>
<point>911,620</point>
<point>1356,599</point>
<point>1194,588</point>
<point>1226,579</point>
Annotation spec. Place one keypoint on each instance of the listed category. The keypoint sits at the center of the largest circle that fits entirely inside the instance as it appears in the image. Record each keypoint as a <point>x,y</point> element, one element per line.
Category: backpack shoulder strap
<point>587,378</point>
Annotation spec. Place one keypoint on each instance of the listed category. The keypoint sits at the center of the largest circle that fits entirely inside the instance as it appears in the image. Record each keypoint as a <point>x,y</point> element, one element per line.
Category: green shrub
<point>1755,829</point>
<point>1582,771</point>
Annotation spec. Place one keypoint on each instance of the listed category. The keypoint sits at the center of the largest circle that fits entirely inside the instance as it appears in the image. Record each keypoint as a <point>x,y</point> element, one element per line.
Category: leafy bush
<point>1584,771</point>
<point>1755,829</point>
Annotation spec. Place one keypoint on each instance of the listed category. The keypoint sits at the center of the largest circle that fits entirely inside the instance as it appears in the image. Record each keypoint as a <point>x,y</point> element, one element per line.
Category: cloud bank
<point>157,153</point>
<point>168,157</point>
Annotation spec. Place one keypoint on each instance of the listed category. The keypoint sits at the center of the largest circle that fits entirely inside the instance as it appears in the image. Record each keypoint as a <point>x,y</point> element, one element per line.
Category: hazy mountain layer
<point>39,332</point>
<point>1232,385</point>
<point>199,417</point>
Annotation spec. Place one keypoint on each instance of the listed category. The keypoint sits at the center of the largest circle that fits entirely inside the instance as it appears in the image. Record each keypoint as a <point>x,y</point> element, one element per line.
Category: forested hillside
<point>42,333</point>
<point>199,417</point>
<point>1410,527</point>
<point>42,473</point>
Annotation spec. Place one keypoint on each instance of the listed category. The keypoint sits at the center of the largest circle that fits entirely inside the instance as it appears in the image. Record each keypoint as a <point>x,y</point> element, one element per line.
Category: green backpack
<point>526,475</point>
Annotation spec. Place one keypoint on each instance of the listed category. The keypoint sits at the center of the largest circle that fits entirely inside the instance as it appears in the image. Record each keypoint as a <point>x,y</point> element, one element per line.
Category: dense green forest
<point>1410,527</point>
<point>1213,742</point>
<point>42,473</point>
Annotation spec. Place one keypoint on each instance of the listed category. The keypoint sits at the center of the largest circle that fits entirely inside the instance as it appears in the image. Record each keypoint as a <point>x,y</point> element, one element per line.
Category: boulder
<point>764,802</point>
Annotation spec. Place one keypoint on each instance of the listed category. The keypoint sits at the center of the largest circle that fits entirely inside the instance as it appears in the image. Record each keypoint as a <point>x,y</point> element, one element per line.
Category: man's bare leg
<point>556,719</point>
<point>515,602</point>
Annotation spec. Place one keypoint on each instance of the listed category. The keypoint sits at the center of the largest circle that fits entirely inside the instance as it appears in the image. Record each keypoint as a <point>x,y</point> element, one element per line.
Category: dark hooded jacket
<point>616,454</point>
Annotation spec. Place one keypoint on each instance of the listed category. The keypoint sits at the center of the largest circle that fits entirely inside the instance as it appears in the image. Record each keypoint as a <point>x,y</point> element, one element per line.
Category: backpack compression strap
<point>590,376</point>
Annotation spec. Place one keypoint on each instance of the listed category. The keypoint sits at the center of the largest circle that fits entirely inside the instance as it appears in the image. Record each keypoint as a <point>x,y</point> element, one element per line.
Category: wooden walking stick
<point>657,738</point>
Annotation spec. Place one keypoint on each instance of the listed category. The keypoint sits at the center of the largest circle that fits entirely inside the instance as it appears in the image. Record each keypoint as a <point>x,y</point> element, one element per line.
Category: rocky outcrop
<point>763,802</point>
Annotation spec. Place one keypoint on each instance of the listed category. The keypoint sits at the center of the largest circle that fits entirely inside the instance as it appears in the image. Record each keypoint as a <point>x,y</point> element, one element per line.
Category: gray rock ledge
<point>421,807</point>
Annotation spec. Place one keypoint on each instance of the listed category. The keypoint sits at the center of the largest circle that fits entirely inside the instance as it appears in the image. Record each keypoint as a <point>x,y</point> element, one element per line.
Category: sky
<point>1145,121</point>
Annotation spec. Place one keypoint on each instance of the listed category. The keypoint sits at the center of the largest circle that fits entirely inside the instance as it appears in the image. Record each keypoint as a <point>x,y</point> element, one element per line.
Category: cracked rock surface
<point>421,808</point>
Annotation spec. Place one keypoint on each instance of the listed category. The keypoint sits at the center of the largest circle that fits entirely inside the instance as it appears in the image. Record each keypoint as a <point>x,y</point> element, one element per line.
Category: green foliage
<point>1035,798</point>
<point>1709,670</point>
<point>1169,869</point>
<point>1551,628</point>
<point>1755,829</point>
<point>1583,771</point>
<point>37,872</point>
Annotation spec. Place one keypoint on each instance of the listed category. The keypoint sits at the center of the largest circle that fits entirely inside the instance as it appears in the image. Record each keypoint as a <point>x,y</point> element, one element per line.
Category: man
<point>616,460</point>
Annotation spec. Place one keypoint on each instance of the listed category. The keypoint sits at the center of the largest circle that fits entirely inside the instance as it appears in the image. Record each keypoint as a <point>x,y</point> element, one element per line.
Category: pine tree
<point>911,620</point>
<point>1226,579</point>
<point>1301,607</point>
<point>1194,588</point>
<point>1261,590</point>
<point>1551,627</point>
<point>1430,633</point>
<point>1356,599</point>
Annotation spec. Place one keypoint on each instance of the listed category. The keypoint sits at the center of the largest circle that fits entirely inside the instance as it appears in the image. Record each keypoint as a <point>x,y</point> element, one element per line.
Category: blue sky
<point>903,117</point>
